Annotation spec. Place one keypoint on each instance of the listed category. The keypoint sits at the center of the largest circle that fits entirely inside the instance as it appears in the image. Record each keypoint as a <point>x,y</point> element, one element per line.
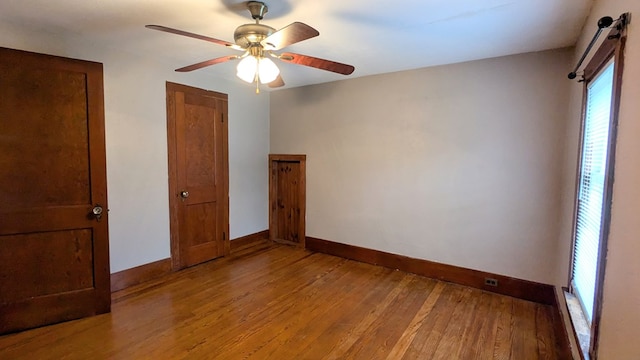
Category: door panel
<point>54,252</point>
<point>201,227</point>
<point>64,258</point>
<point>198,175</point>
<point>288,211</point>
<point>66,164</point>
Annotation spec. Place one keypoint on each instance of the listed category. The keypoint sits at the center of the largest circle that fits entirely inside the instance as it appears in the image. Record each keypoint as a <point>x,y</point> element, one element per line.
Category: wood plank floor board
<point>524,341</point>
<point>464,335</point>
<point>427,340</point>
<point>450,342</point>
<point>220,312</point>
<point>200,311</point>
<point>405,341</point>
<point>374,310</point>
<point>258,291</point>
<point>505,330</point>
<point>381,336</point>
<point>243,264</point>
<point>544,329</point>
<point>271,301</point>
<point>268,301</point>
<point>343,320</point>
<point>298,329</point>
<point>288,317</point>
<point>485,332</point>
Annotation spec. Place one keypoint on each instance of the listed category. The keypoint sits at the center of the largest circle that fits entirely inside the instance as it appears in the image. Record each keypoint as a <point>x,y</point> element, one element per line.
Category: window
<point>595,179</point>
<point>591,189</point>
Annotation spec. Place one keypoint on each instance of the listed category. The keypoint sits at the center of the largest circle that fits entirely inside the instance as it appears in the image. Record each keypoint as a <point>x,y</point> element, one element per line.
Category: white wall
<point>458,164</point>
<point>136,142</point>
<point>621,299</point>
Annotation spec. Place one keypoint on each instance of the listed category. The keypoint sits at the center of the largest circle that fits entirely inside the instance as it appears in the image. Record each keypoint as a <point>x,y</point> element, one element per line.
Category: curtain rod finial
<point>605,22</point>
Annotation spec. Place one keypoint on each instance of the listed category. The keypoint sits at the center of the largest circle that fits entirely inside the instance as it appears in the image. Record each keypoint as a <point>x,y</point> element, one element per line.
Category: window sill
<point>579,323</point>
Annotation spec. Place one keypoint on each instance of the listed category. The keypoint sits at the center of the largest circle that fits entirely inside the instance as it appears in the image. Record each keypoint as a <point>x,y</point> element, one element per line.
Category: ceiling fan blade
<point>195,36</point>
<point>288,35</point>
<point>200,65</point>
<point>317,63</point>
<point>278,82</point>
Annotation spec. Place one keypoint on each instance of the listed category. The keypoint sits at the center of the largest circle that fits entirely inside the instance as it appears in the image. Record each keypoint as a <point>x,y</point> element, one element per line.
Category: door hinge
<point>224,236</point>
<point>222,117</point>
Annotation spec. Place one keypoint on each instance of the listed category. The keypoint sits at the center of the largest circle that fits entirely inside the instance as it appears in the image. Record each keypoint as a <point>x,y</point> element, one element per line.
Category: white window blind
<point>592,188</point>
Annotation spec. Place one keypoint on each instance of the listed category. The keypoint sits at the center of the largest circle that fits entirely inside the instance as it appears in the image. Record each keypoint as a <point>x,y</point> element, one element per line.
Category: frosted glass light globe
<point>246,69</point>
<point>267,70</point>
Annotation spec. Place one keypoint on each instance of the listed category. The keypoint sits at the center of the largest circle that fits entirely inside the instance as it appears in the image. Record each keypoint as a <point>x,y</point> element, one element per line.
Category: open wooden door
<point>198,174</point>
<point>54,247</point>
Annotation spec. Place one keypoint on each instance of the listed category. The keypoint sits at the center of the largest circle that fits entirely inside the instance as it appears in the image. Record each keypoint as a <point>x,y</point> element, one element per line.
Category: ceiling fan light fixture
<point>265,68</point>
<point>258,41</point>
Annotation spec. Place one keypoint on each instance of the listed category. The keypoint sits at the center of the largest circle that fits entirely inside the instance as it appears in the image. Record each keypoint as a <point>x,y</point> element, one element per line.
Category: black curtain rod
<point>603,23</point>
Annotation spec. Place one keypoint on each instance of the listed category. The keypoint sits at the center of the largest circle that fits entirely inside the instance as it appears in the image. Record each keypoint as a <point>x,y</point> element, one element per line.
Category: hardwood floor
<point>277,302</point>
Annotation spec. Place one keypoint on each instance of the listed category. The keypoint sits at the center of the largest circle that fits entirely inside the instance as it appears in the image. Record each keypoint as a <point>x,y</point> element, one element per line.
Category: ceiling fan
<point>260,43</point>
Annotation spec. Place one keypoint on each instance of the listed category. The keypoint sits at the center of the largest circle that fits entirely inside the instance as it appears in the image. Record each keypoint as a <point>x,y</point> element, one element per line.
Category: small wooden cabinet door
<point>54,252</point>
<point>287,199</point>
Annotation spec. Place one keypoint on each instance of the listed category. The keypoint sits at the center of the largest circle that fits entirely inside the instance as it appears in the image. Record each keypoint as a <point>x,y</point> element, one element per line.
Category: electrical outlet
<point>491,282</point>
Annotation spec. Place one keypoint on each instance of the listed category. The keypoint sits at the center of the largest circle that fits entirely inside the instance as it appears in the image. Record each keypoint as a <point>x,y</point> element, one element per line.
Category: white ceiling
<point>376,36</point>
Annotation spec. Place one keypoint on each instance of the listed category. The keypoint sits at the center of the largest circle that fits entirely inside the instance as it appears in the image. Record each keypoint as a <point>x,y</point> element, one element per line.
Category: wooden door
<point>287,198</point>
<point>198,174</point>
<point>54,253</point>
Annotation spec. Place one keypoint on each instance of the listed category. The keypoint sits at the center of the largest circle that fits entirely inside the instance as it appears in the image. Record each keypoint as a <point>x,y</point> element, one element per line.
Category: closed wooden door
<point>287,197</point>
<point>198,174</point>
<point>54,251</point>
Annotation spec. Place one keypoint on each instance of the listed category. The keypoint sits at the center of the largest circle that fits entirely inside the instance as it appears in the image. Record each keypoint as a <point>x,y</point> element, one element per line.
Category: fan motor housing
<point>248,34</point>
